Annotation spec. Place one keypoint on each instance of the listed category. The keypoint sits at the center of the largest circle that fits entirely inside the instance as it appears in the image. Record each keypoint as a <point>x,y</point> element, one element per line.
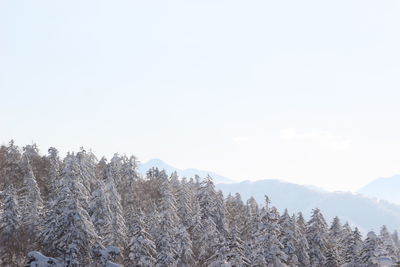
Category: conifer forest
<point>80,210</point>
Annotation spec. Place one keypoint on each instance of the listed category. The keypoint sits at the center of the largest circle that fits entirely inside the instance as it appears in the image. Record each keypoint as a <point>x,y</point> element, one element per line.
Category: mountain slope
<point>366,213</point>
<point>143,168</point>
<point>384,188</point>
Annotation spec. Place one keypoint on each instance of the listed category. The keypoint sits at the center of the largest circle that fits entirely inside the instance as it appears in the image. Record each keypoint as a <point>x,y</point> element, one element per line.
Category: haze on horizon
<point>307,92</point>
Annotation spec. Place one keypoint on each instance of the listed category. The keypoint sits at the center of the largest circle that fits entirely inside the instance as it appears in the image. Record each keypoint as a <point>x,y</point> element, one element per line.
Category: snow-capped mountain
<point>383,188</point>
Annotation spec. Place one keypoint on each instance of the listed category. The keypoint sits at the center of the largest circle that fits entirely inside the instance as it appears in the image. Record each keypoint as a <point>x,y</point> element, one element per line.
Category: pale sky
<point>303,91</point>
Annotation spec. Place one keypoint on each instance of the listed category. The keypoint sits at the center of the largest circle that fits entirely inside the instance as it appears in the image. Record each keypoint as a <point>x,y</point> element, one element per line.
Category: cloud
<point>241,139</point>
<point>323,138</point>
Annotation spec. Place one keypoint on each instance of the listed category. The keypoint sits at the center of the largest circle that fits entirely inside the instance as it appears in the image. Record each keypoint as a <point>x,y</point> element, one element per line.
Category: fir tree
<point>117,235</point>
<point>354,244</point>
<point>336,246</point>
<point>31,204</point>
<point>10,222</point>
<point>141,250</point>
<point>167,228</point>
<point>70,234</point>
<point>317,236</point>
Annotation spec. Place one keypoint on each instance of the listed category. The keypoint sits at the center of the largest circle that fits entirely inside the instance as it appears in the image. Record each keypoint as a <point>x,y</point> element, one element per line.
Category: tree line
<point>83,211</point>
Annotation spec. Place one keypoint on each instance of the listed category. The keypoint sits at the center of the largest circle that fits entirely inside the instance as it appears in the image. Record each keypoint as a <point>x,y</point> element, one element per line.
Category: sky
<point>303,91</point>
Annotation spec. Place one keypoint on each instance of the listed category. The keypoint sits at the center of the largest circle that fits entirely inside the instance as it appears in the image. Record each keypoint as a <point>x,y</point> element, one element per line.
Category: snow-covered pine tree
<point>195,229</point>
<point>369,254</point>
<point>141,250</point>
<point>54,173</point>
<point>251,220</point>
<point>12,173</point>
<point>235,212</point>
<point>287,237</point>
<point>301,244</point>
<point>100,211</point>
<point>212,204</point>
<point>353,243</point>
<point>167,228</point>
<point>396,240</point>
<point>336,246</point>
<point>210,241</point>
<point>50,224</point>
<point>10,222</point>
<point>332,256</point>
<point>128,187</point>
<point>152,194</point>
<point>317,236</point>
<point>388,243</point>
<point>267,250</point>
<point>87,162</point>
<point>250,226</point>
<point>213,225</point>
<point>301,223</point>
<point>71,235</point>
<point>31,205</point>
<point>184,248</point>
<point>183,204</point>
<point>39,165</point>
<point>237,251</point>
<point>117,236</point>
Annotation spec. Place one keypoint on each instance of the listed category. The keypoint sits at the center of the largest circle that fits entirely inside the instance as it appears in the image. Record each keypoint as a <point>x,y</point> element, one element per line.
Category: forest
<point>80,210</point>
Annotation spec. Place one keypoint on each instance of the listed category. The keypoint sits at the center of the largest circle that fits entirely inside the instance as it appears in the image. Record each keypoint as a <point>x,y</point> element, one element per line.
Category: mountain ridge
<point>359,210</point>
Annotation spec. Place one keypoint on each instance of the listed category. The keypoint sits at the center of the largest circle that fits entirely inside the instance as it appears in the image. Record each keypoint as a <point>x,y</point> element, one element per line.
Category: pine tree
<point>317,236</point>
<point>287,238</point>
<point>235,212</point>
<point>301,243</point>
<point>183,203</point>
<point>117,235</point>
<point>195,228</point>
<point>388,243</point>
<point>354,244</point>
<point>141,250</point>
<point>128,187</point>
<point>100,211</point>
<point>209,242</point>
<point>54,174</point>
<point>86,163</point>
<point>70,234</point>
<point>39,165</point>
<point>267,248</point>
<point>210,204</point>
<point>31,204</point>
<point>301,223</point>
<point>369,255</point>
<point>237,254</point>
<point>336,246</point>
<point>396,242</point>
<point>167,228</point>
<point>184,248</point>
<point>12,173</point>
<point>9,229</point>
<point>332,256</point>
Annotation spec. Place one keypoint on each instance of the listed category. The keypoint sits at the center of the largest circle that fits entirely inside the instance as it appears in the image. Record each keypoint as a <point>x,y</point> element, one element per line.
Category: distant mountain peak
<point>385,188</point>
